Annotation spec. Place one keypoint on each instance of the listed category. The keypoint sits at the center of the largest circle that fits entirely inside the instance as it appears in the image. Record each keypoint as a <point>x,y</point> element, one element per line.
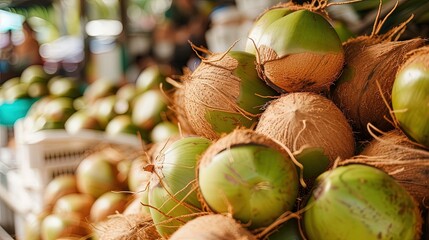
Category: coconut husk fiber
<point>305,119</point>
<point>127,227</point>
<point>212,227</point>
<point>394,153</point>
<point>363,90</point>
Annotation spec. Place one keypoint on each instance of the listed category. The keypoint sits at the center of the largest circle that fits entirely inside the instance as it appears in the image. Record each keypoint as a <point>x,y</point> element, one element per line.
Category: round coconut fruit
<point>223,93</point>
<point>248,175</point>
<point>148,109</point>
<point>311,125</point>
<point>173,190</point>
<point>97,174</point>
<point>410,96</point>
<point>363,89</point>
<point>79,203</point>
<point>360,202</point>
<point>213,227</point>
<point>394,153</point>
<point>58,187</point>
<point>297,49</point>
<point>56,226</point>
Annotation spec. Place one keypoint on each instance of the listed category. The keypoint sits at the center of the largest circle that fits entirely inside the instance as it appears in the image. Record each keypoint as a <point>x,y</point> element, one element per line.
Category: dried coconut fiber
<point>363,90</point>
<point>308,120</point>
<point>394,153</point>
<point>127,227</point>
<point>213,227</point>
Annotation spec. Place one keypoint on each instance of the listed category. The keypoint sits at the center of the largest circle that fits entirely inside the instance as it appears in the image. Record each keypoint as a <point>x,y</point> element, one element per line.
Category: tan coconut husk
<point>178,105</point>
<point>127,227</point>
<point>213,227</point>
<point>214,86</point>
<point>394,153</point>
<point>305,120</point>
<point>363,91</point>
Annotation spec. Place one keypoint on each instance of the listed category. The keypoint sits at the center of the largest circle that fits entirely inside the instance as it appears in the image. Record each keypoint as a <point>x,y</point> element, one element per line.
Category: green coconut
<point>410,96</point>
<point>297,48</point>
<point>249,176</point>
<point>172,190</point>
<point>360,202</point>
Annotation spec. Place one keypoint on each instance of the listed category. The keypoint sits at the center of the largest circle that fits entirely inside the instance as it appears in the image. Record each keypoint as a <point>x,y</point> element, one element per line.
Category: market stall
<point>182,119</point>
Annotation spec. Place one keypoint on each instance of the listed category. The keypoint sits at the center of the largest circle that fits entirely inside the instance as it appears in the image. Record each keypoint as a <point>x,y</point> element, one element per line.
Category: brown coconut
<point>127,227</point>
<point>217,85</point>
<point>394,153</point>
<point>308,120</point>
<point>213,227</point>
<point>363,90</point>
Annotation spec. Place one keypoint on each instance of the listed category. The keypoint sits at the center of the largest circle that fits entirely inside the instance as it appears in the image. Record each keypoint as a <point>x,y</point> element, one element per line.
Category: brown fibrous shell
<point>127,227</point>
<point>300,72</point>
<point>212,86</point>
<point>304,119</point>
<point>213,227</point>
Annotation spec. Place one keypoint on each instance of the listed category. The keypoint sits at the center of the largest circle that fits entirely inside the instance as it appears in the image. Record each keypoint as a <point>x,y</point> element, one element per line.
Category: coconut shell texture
<point>212,227</point>
<point>238,137</point>
<point>308,119</point>
<point>368,78</point>
<point>224,93</point>
<point>294,73</point>
<point>395,154</point>
<point>127,227</point>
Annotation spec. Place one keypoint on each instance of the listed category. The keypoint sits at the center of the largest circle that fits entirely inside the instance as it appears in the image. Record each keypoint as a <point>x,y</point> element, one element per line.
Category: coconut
<point>129,227</point>
<point>297,48</point>
<point>363,89</point>
<point>410,96</point>
<point>172,190</point>
<point>249,176</point>
<point>224,93</point>
<point>394,153</point>
<point>360,202</point>
<point>304,120</point>
<point>213,227</point>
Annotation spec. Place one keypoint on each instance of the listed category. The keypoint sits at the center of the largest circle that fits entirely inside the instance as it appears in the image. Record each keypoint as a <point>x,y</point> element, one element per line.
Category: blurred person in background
<point>18,50</point>
<point>184,21</point>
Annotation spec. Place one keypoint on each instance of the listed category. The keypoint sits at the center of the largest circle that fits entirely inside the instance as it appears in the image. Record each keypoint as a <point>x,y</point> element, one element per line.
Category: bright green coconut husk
<point>360,202</point>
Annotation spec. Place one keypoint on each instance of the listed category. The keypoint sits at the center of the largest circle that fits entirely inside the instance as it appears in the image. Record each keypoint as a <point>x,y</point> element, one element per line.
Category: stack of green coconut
<point>300,136</point>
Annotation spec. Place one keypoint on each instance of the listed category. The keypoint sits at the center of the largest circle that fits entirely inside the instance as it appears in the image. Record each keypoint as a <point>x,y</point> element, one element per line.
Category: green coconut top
<point>301,31</point>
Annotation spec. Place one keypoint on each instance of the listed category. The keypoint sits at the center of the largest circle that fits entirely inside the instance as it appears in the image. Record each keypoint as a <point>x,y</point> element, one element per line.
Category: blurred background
<point>117,39</point>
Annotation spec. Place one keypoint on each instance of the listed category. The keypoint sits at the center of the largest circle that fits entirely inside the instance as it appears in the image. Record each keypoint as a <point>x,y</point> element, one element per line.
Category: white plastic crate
<point>43,155</point>
<point>26,202</point>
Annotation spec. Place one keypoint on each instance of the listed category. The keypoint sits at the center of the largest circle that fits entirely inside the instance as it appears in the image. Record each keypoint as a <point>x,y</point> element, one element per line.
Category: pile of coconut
<point>299,136</point>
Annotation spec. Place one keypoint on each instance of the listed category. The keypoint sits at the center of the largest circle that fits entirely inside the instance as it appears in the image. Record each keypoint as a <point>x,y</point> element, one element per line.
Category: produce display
<point>299,136</point>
